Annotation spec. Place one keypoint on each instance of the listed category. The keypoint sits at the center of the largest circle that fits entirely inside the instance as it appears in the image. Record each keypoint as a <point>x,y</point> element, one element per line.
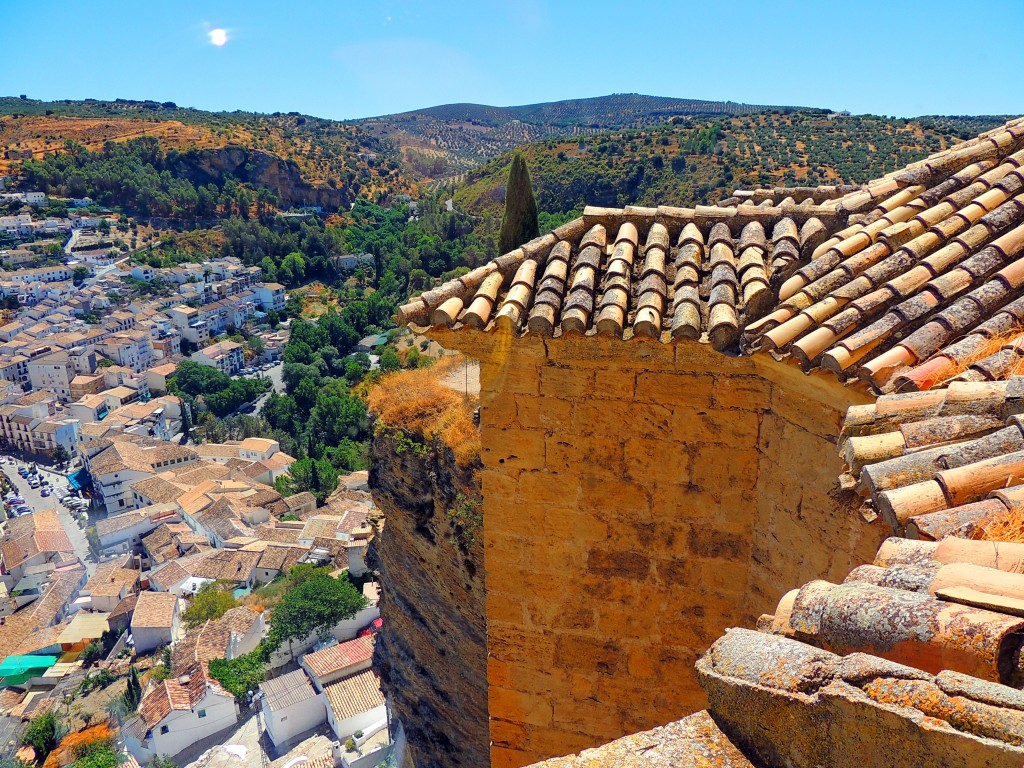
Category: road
<point>36,501</point>
<point>274,374</point>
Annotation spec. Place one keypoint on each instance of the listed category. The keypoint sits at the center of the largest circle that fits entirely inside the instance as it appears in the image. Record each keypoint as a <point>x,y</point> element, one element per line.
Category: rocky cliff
<point>260,169</point>
<point>431,654</point>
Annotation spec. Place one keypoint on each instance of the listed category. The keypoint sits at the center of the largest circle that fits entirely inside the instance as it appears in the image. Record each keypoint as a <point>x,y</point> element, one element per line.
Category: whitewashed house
<point>177,713</point>
<point>290,707</point>
<point>156,620</point>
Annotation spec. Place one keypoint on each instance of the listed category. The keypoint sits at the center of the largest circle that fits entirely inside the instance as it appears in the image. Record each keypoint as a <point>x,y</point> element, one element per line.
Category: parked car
<point>24,509</point>
<point>33,483</point>
<point>44,492</point>
<point>43,480</point>
<point>23,471</point>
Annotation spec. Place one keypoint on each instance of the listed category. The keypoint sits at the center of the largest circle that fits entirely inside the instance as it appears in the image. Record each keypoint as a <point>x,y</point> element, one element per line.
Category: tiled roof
<point>171,574</point>
<point>339,656</point>
<point>325,526</point>
<point>154,610</point>
<point>136,453</point>
<point>876,283</point>
<point>270,532</point>
<point>111,577</point>
<point>40,613</point>
<point>225,565</point>
<point>126,606</point>
<point>354,695</point>
<point>286,690</point>
<point>175,694</point>
<point>259,444</point>
<point>300,500</point>
<point>281,558</point>
<point>30,535</point>
<point>943,462</point>
<point>119,522</point>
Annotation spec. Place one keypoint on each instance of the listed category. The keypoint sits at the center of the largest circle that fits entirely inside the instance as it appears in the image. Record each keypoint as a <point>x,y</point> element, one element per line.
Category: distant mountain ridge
<point>608,111</point>
<point>446,139</point>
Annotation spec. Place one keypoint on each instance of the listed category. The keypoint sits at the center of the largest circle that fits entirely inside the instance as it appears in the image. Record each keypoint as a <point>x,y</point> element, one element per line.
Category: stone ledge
<point>695,742</point>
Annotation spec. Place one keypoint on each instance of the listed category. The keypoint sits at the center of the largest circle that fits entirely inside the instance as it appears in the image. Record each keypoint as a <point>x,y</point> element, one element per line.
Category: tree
<point>315,605</point>
<point>519,223</point>
<point>43,734</point>
<point>161,761</point>
<point>389,360</point>
<point>92,653</point>
<point>256,346</point>
<point>79,273</point>
<point>133,693</point>
<point>210,602</point>
<point>61,455</point>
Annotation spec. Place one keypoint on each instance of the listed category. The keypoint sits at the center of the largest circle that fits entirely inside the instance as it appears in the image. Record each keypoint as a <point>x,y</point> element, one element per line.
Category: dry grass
<point>1013,337</point>
<point>1004,526</point>
<point>419,402</point>
<point>47,134</point>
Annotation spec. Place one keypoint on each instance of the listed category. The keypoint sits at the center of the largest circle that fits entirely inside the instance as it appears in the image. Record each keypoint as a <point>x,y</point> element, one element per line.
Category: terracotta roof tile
<point>154,609</point>
<point>354,695</point>
<point>871,282</point>
<point>288,689</point>
<point>339,656</point>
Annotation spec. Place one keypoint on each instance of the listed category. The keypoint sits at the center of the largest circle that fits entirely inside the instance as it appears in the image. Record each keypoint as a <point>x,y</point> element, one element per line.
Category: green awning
<point>15,670</point>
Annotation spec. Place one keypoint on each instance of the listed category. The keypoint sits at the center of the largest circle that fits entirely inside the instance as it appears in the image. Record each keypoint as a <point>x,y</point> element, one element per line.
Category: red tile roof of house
<point>340,656</point>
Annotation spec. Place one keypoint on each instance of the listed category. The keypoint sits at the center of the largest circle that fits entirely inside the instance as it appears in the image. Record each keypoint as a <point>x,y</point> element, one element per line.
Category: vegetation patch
<point>417,402</point>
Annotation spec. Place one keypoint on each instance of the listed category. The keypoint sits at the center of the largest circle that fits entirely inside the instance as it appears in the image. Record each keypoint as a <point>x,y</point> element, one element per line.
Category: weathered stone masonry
<point>639,498</point>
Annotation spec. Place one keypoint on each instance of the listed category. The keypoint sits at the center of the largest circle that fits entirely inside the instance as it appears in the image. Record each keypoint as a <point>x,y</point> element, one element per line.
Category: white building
<point>290,707</point>
<point>178,713</point>
<point>225,356</point>
<point>270,296</point>
<point>355,703</point>
<point>156,620</point>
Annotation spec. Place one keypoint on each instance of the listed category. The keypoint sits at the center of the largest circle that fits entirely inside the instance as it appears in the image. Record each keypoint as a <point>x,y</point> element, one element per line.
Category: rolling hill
<point>448,139</point>
<point>305,160</point>
<point>700,159</point>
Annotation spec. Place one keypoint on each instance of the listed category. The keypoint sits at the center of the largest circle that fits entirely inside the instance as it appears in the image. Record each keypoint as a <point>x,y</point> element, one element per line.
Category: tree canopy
<point>315,604</point>
<point>211,602</point>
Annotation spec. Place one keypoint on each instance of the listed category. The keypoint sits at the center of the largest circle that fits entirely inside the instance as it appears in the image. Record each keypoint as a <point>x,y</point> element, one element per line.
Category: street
<point>274,374</point>
<point>37,502</point>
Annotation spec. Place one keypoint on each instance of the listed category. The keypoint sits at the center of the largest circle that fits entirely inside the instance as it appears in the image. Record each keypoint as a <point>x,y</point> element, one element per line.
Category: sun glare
<point>218,36</point>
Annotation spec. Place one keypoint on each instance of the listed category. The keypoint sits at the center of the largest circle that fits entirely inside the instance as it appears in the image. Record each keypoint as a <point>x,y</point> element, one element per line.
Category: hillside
<point>439,141</point>
<point>301,150</point>
<point>698,160</point>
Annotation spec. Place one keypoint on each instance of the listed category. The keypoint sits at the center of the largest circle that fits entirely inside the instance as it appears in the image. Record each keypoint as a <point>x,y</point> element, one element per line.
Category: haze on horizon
<point>348,60</point>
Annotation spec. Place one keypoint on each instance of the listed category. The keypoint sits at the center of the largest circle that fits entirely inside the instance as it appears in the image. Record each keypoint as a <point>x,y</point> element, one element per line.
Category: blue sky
<point>346,59</point>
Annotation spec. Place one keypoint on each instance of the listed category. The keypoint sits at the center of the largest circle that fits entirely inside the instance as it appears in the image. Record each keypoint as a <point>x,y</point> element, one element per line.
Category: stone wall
<point>431,653</point>
<point>639,498</point>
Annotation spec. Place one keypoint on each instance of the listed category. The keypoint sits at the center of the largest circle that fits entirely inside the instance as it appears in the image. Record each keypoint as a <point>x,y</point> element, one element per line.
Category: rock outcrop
<point>431,653</point>
<point>261,169</point>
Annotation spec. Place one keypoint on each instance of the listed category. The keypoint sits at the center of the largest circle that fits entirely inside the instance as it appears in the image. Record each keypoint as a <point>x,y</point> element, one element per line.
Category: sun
<point>218,36</point>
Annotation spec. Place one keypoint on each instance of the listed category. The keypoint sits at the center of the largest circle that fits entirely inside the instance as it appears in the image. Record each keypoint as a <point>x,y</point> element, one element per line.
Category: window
<point>201,713</point>
<point>284,718</point>
<point>164,729</point>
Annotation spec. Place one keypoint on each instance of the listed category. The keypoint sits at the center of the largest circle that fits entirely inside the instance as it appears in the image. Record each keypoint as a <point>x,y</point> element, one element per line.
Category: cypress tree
<point>519,224</point>
<point>133,693</point>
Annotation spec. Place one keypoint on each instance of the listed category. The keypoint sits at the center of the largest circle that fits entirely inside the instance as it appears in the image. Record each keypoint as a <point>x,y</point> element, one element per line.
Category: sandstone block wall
<point>639,498</point>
